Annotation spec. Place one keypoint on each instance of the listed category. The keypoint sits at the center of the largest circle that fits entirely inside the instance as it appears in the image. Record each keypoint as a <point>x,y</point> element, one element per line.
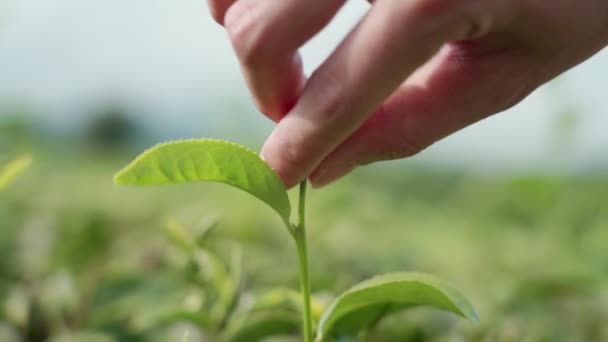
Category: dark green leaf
<point>367,302</point>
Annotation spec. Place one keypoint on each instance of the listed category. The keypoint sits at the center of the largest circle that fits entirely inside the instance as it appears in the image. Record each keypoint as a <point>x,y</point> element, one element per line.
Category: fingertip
<point>276,89</point>
<point>218,9</point>
<point>287,181</point>
<point>273,154</point>
<point>317,186</point>
<point>327,174</point>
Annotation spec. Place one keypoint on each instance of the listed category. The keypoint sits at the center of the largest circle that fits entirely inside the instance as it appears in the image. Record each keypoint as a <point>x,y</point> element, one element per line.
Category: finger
<point>266,36</point>
<point>461,85</point>
<point>393,40</point>
<point>218,9</point>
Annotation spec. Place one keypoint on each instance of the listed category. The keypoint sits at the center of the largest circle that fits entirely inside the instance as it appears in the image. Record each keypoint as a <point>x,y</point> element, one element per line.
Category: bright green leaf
<point>208,160</point>
<point>12,170</point>
<point>368,301</point>
<point>203,235</point>
<point>178,235</point>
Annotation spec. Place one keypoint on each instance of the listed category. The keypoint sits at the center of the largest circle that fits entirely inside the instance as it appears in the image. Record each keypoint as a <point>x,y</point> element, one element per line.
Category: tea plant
<point>221,315</point>
<point>351,314</point>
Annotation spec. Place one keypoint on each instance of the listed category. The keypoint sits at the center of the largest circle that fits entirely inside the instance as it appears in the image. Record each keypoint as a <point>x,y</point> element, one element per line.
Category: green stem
<point>300,239</point>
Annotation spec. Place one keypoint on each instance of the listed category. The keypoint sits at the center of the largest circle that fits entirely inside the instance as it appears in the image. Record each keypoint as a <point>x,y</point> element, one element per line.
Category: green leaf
<point>287,299</point>
<point>278,298</point>
<point>208,160</point>
<point>11,171</point>
<point>177,233</point>
<point>367,302</point>
<point>276,312</point>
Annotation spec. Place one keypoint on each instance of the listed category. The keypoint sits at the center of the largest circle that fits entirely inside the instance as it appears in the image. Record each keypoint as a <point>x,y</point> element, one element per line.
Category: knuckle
<point>439,10</point>
<point>429,8</point>
<point>400,139</point>
<point>470,19</point>
<point>330,97</point>
<point>484,17</point>
<point>404,147</point>
<point>500,78</point>
<point>390,147</point>
<point>519,81</point>
<point>247,32</point>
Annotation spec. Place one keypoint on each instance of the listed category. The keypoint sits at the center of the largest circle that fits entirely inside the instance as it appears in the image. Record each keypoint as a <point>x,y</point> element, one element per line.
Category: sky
<point>170,65</point>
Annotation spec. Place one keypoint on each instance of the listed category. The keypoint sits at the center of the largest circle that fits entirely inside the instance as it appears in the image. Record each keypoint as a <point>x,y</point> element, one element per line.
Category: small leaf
<point>208,160</point>
<point>278,298</point>
<point>11,171</point>
<point>262,325</point>
<point>369,301</point>
<point>276,312</point>
<point>178,235</point>
<point>209,226</point>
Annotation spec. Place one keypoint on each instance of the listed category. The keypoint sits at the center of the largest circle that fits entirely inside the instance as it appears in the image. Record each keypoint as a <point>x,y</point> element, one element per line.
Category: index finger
<point>266,36</point>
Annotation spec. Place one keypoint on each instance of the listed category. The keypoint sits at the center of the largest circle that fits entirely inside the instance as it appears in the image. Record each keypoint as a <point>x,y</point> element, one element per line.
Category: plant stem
<point>300,239</point>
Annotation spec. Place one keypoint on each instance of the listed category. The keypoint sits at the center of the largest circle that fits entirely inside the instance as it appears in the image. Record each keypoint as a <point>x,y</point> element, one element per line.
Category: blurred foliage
<point>16,132</point>
<point>111,126</point>
<point>12,169</point>
<point>82,260</point>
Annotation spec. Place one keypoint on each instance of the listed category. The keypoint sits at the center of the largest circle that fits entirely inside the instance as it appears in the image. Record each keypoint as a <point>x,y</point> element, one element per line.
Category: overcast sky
<point>169,62</point>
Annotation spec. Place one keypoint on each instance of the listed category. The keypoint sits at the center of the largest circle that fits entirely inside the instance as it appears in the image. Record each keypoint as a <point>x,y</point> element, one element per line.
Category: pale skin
<point>409,74</point>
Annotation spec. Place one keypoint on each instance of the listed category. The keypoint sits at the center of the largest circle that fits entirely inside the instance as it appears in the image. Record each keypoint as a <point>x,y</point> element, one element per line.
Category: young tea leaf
<point>262,325</point>
<point>208,160</point>
<point>178,234</point>
<point>11,171</point>
<point>367,302</point>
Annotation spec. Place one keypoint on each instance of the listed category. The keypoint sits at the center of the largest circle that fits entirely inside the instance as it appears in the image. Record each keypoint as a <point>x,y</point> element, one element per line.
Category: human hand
<point>409,74</point>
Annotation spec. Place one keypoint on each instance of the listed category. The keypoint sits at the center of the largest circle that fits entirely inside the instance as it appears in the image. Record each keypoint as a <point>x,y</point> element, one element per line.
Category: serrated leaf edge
<point>149,150</point>
<point>143,154</point>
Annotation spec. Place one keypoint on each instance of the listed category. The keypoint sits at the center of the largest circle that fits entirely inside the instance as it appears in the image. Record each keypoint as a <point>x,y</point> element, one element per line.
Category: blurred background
<point>513,211</point>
